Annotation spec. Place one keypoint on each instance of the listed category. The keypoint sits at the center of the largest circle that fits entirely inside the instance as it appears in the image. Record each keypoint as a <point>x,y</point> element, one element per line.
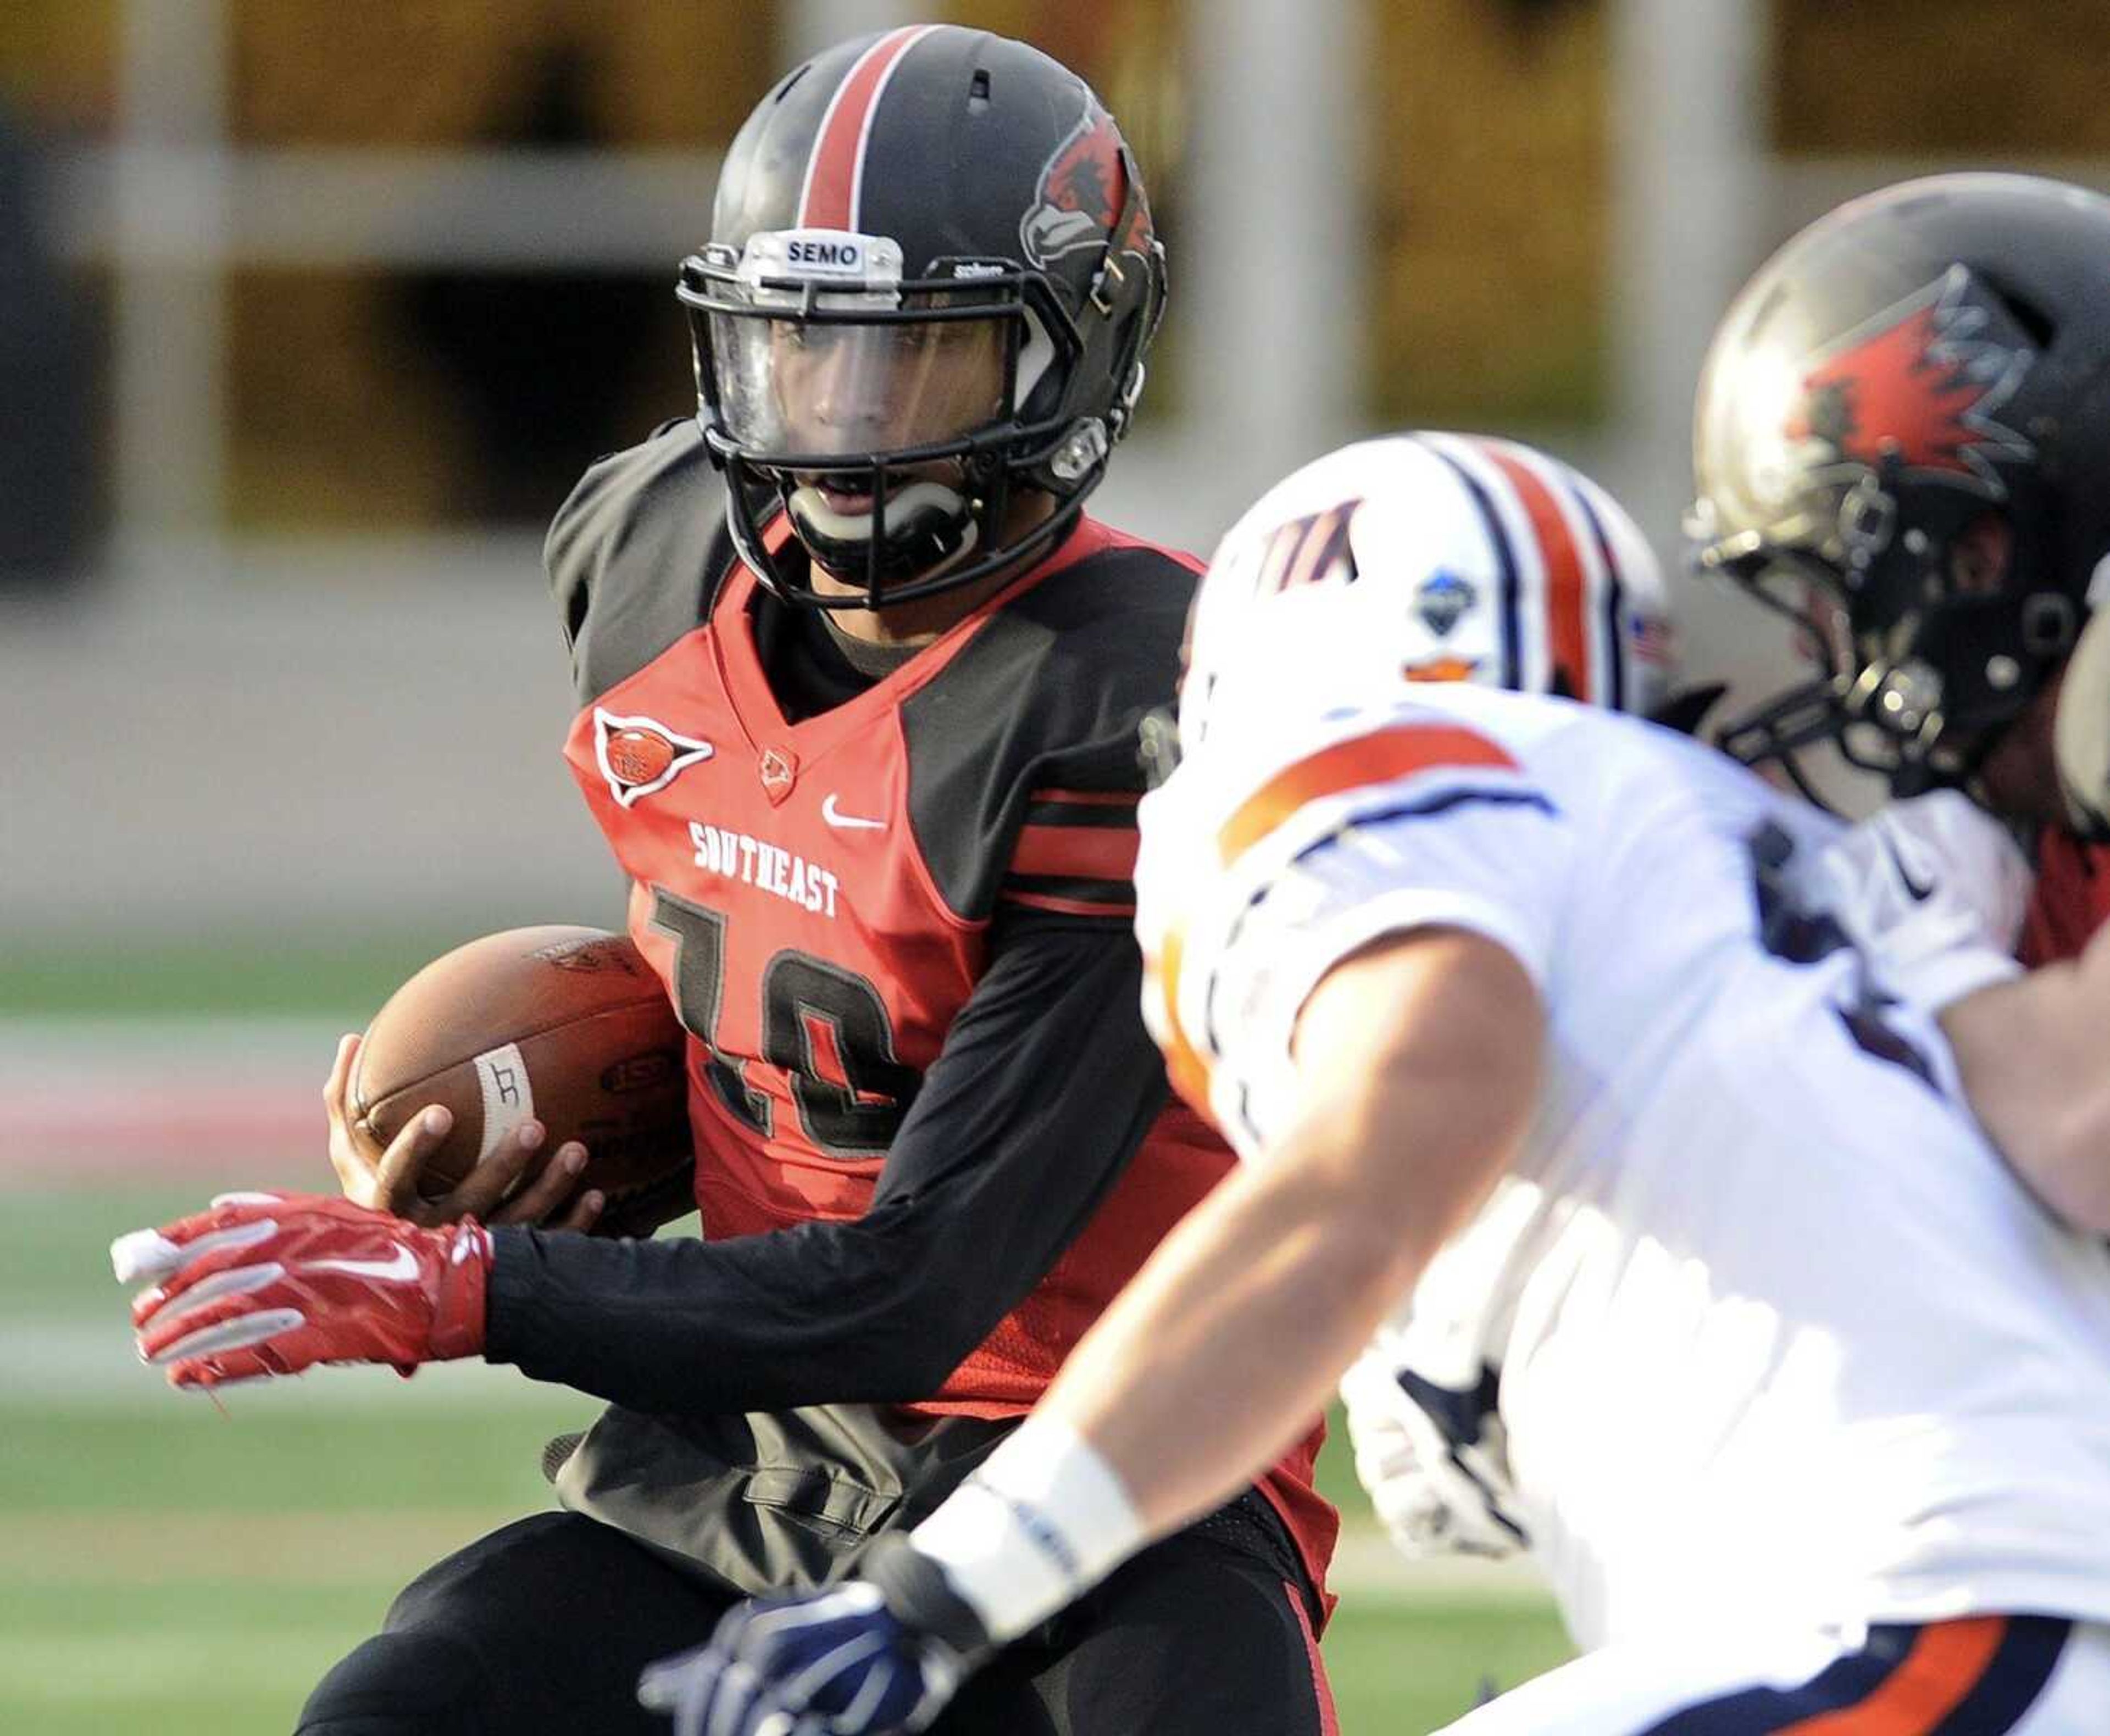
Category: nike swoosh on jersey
<point>846,822</point>
<point>1920,890</point>
<point>402,1269</point>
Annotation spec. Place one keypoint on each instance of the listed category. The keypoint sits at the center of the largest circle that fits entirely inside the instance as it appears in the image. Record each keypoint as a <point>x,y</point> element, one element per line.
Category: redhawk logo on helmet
<point>1917,386</point>
<point>1078,197</point>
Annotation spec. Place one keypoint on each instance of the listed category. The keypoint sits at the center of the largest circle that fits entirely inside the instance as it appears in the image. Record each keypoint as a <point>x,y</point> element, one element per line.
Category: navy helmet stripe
<point>1504,559</point>
<point>1615,648</point>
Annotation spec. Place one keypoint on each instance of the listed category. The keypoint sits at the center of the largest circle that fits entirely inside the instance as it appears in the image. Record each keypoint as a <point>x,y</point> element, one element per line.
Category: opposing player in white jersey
<point>1649,1218</point>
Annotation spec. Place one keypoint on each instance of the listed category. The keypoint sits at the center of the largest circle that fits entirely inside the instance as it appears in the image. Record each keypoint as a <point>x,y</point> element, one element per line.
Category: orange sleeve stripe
<point>1183,1064</point>
<point>1077,852</point>
<point>1565,582</point>
<point>1363,759</point>
<point>1945,1663</point>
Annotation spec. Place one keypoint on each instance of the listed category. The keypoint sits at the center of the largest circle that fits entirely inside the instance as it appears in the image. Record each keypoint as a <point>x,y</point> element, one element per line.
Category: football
<point>568,1025</point>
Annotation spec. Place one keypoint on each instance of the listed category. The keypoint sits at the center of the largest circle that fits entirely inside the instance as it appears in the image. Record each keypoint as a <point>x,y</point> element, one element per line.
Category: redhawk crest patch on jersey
<point>779,768</point>
<point>1920,384</point>
<point>1080,193</point>
<point>640,755</point>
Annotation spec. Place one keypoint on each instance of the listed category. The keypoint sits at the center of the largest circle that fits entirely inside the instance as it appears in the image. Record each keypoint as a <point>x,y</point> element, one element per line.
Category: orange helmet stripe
<point>1567,606</point>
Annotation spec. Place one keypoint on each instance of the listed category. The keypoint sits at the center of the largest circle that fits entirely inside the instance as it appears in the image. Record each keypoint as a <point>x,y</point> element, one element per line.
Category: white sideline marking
<point>81,1364</point>
<point>84,1100</point>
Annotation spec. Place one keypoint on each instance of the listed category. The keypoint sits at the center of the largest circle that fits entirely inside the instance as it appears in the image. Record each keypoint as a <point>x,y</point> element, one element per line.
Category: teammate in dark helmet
<point>1902,439</point>
<point>1900,442</point>
<point>921,318</point>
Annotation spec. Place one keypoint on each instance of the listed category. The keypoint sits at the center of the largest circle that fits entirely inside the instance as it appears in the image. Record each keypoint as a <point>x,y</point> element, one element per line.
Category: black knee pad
<point>414,1683</point>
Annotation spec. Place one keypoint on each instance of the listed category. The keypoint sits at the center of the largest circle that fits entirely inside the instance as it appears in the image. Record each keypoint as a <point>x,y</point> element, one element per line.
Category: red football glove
<point>271,1283</point>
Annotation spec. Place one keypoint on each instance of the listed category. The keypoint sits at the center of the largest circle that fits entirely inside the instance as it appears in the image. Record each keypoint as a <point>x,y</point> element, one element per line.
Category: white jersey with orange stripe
<point>1758,1328</point>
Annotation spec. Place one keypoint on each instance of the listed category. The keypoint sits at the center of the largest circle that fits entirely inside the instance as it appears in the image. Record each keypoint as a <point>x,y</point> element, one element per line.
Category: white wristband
<point>1044,1520</point>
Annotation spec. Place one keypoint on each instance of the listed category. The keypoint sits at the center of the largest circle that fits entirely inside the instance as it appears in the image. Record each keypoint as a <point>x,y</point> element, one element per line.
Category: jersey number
<point>1802,936</point>
<point>825,1027</point>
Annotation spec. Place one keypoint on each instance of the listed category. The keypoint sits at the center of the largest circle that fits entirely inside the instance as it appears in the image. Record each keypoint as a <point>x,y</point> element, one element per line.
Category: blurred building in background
<point>316,310</point>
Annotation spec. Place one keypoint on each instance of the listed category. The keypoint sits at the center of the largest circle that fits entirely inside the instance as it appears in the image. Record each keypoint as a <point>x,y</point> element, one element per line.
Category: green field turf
<point>345,976</point>
<point>167,1567</point>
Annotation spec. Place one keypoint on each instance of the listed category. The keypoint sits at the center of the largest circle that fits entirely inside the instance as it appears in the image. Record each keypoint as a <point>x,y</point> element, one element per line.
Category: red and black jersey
<point>2071,900</point>
<point>933,1138</point>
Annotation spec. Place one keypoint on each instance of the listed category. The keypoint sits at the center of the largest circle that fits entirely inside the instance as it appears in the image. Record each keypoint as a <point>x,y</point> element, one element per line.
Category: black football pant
<point>540,1629</point>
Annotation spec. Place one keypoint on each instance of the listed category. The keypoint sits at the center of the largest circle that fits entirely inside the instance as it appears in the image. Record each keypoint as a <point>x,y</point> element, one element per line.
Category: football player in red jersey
<point>859,686</point>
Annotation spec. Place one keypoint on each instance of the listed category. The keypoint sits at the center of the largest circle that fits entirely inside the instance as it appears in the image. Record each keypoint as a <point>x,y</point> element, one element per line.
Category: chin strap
<point>923,527</point>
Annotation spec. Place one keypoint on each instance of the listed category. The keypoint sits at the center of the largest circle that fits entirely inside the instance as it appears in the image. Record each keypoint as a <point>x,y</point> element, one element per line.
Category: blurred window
<point>649,74</point>
<point>1489,190</point>
<point>58,65</point>
<point>364,400</point>
<point>1919,77</point>
<point>421,395</point>
<point>57,84</point>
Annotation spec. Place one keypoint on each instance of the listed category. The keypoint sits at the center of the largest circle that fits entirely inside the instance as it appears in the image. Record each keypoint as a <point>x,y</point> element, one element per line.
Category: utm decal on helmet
<point>1312,550</point>
<point>1917,386</point>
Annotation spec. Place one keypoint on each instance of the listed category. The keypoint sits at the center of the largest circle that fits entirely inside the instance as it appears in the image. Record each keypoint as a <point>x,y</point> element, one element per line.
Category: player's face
<point>844,390</point>
<point>2019,778</point>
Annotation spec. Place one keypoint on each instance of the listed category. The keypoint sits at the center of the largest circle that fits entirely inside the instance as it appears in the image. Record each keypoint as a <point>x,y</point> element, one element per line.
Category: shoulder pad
<point>635,554</point>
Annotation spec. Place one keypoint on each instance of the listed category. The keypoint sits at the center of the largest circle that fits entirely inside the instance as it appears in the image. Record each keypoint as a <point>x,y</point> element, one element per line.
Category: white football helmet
<point>1438,557</point>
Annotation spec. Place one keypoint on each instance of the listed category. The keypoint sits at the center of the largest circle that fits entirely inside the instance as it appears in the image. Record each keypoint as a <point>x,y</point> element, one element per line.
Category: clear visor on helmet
<point>840,386</point>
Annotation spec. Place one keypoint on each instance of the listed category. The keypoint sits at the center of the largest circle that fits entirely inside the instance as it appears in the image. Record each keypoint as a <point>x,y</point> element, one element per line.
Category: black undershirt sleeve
<point>1045,1088</point>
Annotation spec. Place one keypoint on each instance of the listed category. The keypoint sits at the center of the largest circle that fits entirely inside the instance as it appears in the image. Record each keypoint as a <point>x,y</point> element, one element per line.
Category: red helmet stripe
<point>834,173</point>
<point>1566,601</point>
